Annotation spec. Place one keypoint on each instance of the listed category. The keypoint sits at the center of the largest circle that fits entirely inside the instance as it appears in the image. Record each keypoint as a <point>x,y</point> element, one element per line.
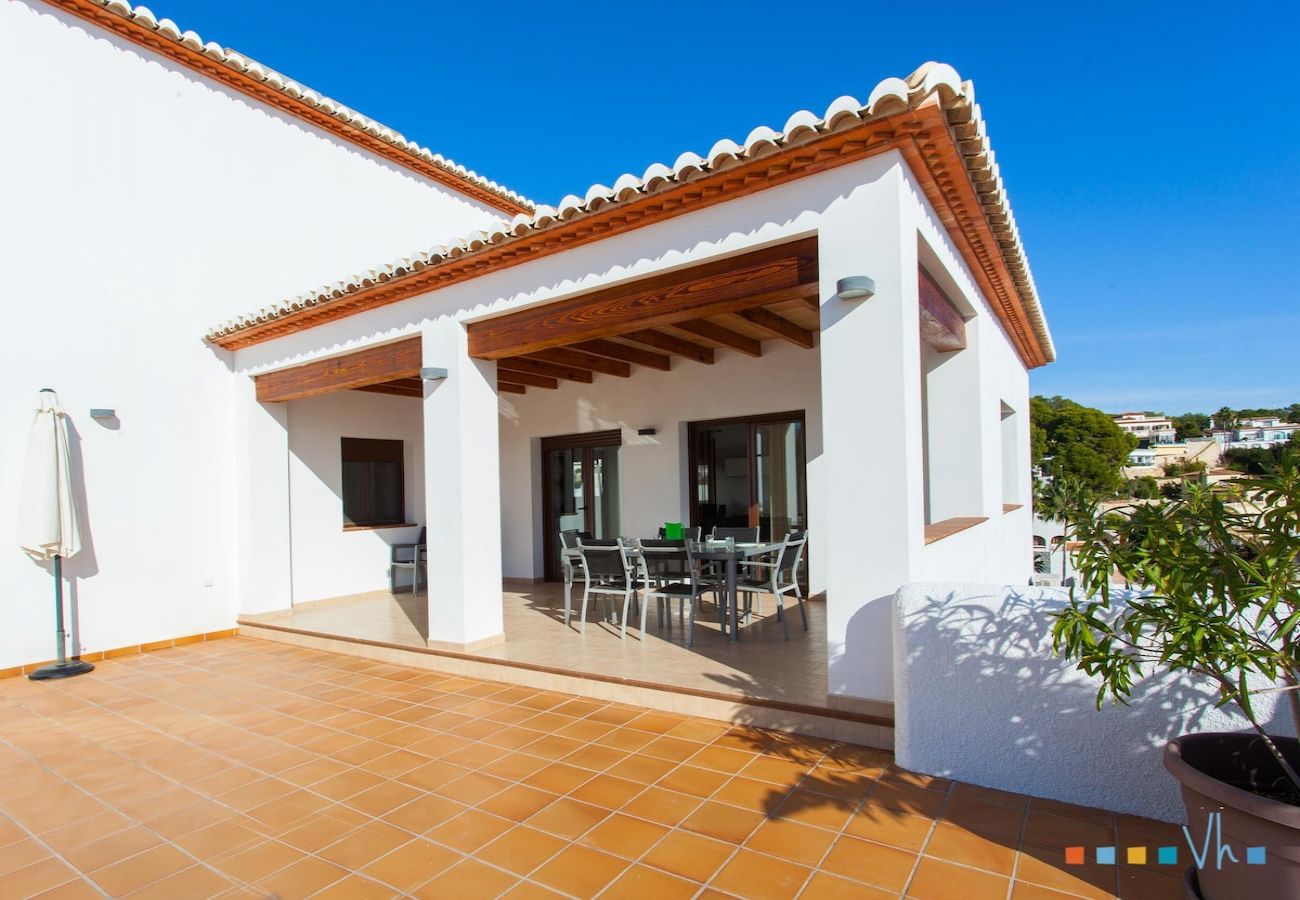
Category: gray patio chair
<point>607,570</point>
<point>408,556</point>
<point>570,564</point>
<point>779,577</point>
<point>671,572</point>
<point>741,535</point>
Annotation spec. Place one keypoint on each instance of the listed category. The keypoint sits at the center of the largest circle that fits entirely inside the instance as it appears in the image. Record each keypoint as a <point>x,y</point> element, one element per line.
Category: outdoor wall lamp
<point>855,287</point>
<point>430,373</point>
<point>103,414</point>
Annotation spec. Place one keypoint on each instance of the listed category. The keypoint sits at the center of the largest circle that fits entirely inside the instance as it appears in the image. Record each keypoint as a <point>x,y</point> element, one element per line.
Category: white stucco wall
<point>327,560</point>
<point>980,697</point>
<point>652,469</point>
<point>140,204</point>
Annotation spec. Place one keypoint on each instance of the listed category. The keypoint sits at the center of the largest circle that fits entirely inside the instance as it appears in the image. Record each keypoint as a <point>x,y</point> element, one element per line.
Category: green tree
<point>1078,442</point>
<point>1191,425</point>
<point>1226,419</point>
<point>1144,488</point>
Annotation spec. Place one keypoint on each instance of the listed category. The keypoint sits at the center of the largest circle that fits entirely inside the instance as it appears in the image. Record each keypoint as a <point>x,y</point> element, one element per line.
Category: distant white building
<point>1256,433</point>
<point>1156,429</point>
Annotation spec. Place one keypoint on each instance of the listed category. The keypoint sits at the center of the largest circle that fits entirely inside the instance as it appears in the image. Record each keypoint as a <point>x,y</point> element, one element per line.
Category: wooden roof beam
<point>670,344</point>
<point>615,350</point>
<point>531,380</point>
<point>712,331</point>
<point>563,356</point>
<point>782,328</point>
<point>372,365</point>
<point>505,387</point>
<point>516,364</point>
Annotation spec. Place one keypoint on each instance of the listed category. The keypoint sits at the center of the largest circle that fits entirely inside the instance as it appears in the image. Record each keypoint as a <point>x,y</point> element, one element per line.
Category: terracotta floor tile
<point>627,739</point>
<point>302,879</point>
<point>874,864</point>
<point>798,843</point>
<point>989,795</point>
<point>752,794</point>
<point>37,878</point>
<point>689,855</point>
<point>1046,867</point>
<point>994,820</point>
<point>824,886</point>
<point>815,809</point>
<point>608,791</point>
<point>1137,883</point>
<point>851,786</point>
<point>515,766</point>
<point>108,850</point>
<point>756,875</point>
<point>724,822</point>
<point>906,799</point>
<point>662,806</point>
<point>196,881</point>
<point>559,778</point>
<point>309,773</point>
<point>934,880</point>
<point>1072,811</point>
<point>24,853</point>
<point>257,861</point>
<point>521,850</point>
<point>346,784</point>
<point>595,757</point>
<point>1022,890</point>
<point>722,759</point>
<point>700,730</point>
<point>580,871</point>
<point>886,826</point>
<point>642,769</point>
<point>671,748</point>
<point>473,788</point>
<point>777,770</point>
<point>469,830</point>
<point>567,818</point>
<point>467,880</point>
<point>138,871</point>
<point>382,798</point>
<point>1055,832</point>
<point>431,776</point>
<point>552,747</point>
<point>693,780</point>
<point>77,889</point>
<point>354,887</point>
<point>319,831</point>
<point>639,882</point>
<point>624,836</point>
<point>517,802</point>
<point>364,845</point>
<point>411,865</point>
<point>396,763</point>
<point>955,844</point>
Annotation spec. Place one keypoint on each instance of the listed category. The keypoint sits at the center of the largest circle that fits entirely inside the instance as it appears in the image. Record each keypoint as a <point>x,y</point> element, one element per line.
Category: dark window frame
<point>372,450</point>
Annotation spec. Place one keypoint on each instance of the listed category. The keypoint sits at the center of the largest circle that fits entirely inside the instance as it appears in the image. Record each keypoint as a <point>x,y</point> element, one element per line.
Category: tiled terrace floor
<point>761,664</point>
<point>247,768</point>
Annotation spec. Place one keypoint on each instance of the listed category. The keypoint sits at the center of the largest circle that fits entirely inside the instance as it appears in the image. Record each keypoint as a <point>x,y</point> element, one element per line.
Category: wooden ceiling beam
<point>615,350</point>
<point>563,356</point>
<point>398,387</point>
<point>514,364</point>
<point>670,344</point>
<point>505,387</point>
<point>373,365</point>
<point>782,328</point>
<point>528,378</point>
<point>769,275</point>
<point>712,331</point>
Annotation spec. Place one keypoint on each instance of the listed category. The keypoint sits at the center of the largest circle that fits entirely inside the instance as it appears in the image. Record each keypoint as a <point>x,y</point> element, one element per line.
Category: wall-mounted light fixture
<point>431,373</point>
<point>103,414</point>
<point>647,431</point>
<point>855,287</point>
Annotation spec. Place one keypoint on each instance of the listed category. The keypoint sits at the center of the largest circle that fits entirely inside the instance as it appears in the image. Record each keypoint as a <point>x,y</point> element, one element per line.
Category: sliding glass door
<point>580,490</point>
<point>750,472</point>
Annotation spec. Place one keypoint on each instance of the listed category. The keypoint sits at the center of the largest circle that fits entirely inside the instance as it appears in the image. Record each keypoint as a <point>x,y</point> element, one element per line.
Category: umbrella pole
<point>61,668</point>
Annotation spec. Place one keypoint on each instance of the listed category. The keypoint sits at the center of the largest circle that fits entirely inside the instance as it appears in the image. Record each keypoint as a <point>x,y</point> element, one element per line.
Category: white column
<point>263,573</point>
<point>871,454</point>
<point>462,492</point>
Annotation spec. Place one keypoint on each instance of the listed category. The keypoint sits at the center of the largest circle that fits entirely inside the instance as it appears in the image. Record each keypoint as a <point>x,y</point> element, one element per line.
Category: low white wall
<point>326,560</point>
<point>979,696</point>
<point>652,469</point>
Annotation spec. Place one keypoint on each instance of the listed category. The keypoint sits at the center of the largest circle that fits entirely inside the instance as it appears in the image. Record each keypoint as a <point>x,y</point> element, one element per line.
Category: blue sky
<point>1151,149</point>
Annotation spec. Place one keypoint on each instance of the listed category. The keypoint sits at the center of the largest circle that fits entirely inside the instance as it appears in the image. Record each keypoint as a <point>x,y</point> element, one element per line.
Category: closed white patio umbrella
<point>48,526</point>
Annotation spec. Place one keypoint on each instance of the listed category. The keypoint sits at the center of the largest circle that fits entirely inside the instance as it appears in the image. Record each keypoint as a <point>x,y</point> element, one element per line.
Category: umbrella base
<point>61,670</point>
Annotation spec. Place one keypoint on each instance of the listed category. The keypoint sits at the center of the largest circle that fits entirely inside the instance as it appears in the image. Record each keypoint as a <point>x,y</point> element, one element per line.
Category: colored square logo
<point>1074,856</point>
<point>1105,856</point>
<point>1137,856</point>
<point>1167,856</point>
<point>1255,856</point>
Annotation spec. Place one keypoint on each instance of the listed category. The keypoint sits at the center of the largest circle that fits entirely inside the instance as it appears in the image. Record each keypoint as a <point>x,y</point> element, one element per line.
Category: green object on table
<point>674,531</point>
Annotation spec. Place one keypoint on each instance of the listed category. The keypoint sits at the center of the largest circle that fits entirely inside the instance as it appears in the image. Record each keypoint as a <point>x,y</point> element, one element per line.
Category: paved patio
<point>246,768</point>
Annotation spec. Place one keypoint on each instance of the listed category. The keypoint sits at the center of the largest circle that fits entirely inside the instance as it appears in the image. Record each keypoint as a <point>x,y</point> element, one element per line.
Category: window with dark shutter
<point>373,484</point>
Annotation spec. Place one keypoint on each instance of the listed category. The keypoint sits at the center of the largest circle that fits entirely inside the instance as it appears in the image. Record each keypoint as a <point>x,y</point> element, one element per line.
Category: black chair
<point>671,572</point>
<point>740,535</point>
<point>409,556</point>
<point>607,570</point>
<point>779,577</point>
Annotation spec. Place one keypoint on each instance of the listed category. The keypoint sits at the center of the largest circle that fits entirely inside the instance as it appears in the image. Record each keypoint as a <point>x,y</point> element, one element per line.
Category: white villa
<point>307,338</point>
<point>1157,429</point>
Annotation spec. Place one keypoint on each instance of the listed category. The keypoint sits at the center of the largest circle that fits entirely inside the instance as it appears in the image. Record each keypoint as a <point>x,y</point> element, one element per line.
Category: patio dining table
<point>731,554</point>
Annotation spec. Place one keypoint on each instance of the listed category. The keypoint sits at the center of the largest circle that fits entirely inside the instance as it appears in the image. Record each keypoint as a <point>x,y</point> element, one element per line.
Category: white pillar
<point>871,430</point>
<point>263,574</point>
<point>462,492</point>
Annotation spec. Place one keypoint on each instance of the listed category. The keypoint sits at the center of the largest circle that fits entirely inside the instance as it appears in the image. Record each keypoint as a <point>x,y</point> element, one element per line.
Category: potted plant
<point>1217,597</point>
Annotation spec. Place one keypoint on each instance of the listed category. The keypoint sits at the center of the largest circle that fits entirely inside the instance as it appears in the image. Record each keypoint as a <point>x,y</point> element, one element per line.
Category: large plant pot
<point>1217,773</point>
